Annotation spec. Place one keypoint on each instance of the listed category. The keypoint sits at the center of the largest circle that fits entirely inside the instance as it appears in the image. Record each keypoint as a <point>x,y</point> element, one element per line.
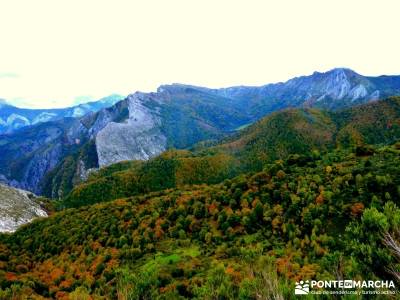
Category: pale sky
<point>53,52</point>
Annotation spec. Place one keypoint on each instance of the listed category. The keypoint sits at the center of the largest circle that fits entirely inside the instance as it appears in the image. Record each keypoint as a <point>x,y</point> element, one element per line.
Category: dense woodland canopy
<point>301,194</point>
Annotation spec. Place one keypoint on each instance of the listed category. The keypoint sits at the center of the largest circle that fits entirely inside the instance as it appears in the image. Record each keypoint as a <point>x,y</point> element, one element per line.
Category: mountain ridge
<point>288,134</point>
<point>143,125</point>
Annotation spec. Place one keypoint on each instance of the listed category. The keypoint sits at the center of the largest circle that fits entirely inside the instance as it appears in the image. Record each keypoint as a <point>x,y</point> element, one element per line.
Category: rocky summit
<point>139,137</point>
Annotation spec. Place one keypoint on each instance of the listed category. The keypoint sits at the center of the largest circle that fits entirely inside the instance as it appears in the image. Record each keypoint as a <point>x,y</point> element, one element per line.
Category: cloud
<point>9,75</point>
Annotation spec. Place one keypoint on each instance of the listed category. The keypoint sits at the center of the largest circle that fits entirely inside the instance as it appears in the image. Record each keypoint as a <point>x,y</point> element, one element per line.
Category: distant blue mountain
<point>13,118</point>
<point>335,89</point>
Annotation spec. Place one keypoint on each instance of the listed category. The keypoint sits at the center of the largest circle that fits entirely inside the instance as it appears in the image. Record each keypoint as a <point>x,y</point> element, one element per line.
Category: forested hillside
<point>304,130</point>
<point>301,194</point>
<point>303,217</point>
<point>275,137</point>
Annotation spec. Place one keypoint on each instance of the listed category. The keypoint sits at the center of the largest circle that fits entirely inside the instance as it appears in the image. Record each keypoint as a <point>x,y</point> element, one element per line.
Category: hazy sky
<point>54,52</point>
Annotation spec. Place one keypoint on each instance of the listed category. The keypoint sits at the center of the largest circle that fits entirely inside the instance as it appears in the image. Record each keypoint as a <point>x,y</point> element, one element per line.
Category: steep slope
<point>17,207</point>
<point>27,156</point>
<point>250,237</point>
<point>375,123</point>
<point>280,134</point>
<point>139,137</point>
<point>13,118</point>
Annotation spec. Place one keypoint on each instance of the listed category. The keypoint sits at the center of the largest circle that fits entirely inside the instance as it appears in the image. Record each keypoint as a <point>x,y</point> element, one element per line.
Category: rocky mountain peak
<point>341,71</point>
<point>139,137</point>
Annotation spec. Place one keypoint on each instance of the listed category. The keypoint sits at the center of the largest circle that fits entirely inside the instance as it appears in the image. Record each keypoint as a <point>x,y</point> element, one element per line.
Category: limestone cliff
<point>137,138</point>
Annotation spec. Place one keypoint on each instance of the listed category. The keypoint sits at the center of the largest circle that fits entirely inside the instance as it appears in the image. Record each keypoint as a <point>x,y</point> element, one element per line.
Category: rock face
<point>40,164</point>
<point>179,116</point>
<point>27,155</point>
<point>138,138</point>
<point>17,207</point>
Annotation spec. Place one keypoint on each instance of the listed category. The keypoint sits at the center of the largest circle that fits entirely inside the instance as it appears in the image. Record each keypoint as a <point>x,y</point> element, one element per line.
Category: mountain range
<point>13,118</point>
<point>196,193</point>
<point>176,116</point>
<point>300,194</point>
<point>291,134</point>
